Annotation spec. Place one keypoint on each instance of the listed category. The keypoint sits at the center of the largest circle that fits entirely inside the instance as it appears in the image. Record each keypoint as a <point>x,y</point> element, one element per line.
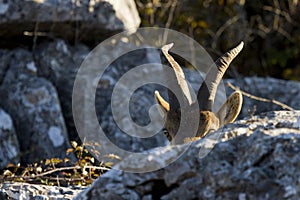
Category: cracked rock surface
<point>254,158</point>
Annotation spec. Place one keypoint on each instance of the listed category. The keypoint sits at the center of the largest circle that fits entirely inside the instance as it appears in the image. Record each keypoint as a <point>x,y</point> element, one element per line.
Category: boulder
<point>58,62</point>
<point>9,145</point>
<point>254,158</point>
<point>72,20</point>
<point>34,106</point>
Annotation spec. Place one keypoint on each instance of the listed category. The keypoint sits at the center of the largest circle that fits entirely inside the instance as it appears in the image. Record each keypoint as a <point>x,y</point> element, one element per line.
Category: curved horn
<point>180,77</point>
<point>207,92</point>
<point>160,100</point>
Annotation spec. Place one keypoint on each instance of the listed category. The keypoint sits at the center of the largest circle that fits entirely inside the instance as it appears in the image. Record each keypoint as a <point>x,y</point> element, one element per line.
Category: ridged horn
<point>161,101</point>
<point>207,92</point>
<point>179,75</point>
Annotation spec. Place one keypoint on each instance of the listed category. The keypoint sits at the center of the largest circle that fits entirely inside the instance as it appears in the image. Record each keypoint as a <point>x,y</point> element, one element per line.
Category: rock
<point>254,158</point>
<point>17,191</point>
<point>34,106</point>
<point>58,63</point>
<point>127,12</point>
<point>287,92</point>
<point>9,145</point>
<point>72,20</point>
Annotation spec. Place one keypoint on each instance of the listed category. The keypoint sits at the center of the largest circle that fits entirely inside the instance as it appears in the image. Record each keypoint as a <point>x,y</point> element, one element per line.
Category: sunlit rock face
<point>254,158</point>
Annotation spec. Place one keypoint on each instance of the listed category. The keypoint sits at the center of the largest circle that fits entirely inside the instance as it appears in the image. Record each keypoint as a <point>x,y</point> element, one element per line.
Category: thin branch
<point>69,168</point>
<point>171,14</point>
<point>169,21</point>
<point>220,30</point>
<point>55,170</point>
<point>282,105</point>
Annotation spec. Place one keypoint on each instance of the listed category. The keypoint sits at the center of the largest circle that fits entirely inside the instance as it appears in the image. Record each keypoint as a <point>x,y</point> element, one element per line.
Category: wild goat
<point>184,105</point>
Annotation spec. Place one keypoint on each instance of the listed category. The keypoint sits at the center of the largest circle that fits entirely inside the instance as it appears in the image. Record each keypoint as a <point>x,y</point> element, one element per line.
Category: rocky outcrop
<point>71,20</point>
<point>254,158</point>
<point>34,106</point>
<point>9,145</point>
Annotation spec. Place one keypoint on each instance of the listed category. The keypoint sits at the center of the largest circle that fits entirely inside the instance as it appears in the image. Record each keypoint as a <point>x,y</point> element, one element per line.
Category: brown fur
<point>208,121</point>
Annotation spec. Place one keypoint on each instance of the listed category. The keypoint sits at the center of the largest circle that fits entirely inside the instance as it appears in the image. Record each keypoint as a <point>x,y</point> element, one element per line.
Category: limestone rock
<point>9,145</point>
<point>254,158</point>
<point>34,106</point>
<point>72,20</point>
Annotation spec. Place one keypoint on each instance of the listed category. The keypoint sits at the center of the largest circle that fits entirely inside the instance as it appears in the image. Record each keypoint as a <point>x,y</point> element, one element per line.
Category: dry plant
<point>60,172</point>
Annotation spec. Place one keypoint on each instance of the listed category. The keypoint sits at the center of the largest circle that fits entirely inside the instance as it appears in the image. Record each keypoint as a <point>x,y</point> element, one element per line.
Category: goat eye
<point>168,135</point>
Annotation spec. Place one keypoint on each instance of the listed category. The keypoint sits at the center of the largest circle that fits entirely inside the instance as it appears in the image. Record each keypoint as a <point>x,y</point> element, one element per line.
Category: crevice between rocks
<point>159,188</point>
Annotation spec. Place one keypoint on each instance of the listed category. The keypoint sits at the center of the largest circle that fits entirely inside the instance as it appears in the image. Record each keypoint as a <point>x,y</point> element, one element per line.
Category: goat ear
<point>231,108</point>
<point>207,92</point>
<point>165,107</point>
